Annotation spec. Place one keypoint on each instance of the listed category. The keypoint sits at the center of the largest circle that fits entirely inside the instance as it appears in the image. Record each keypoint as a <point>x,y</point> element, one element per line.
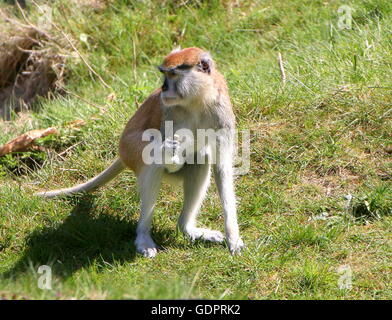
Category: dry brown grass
<point>32,64</point>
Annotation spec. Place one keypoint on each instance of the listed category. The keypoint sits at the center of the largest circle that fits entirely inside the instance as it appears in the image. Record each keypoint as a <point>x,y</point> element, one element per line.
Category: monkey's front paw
<point>235,246</point>
<point>171,148</point>
<point>146,247</point>
<point>172,154</point>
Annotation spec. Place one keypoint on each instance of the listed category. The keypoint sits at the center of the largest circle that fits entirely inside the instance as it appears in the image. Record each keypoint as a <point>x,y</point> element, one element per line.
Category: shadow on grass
<point>85,238</point>
<point>82,239</point>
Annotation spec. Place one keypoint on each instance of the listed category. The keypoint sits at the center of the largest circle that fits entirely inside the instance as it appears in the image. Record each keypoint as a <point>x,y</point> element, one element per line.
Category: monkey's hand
<point>172,154</point>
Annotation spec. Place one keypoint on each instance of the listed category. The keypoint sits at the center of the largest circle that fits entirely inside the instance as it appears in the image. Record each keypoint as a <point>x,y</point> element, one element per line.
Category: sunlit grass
<point>322,135</point>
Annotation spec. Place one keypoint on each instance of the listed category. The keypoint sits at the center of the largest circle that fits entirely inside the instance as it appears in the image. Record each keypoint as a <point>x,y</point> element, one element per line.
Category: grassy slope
<point>325,134</point>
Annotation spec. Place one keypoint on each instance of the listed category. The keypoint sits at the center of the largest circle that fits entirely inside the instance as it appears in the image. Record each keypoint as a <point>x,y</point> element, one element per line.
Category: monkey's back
<point>148,116</point>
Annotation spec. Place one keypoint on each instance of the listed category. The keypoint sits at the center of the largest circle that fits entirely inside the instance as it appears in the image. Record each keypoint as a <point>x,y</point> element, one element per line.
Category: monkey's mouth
<point>170,101</point>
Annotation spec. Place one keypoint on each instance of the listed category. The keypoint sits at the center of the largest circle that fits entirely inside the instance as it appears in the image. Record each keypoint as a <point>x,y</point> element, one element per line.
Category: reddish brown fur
<point>148,116</point>
<point>189,56</point>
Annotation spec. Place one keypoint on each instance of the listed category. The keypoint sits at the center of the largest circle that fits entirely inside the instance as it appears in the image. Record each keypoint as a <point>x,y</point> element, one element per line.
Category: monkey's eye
<point>184,67</point>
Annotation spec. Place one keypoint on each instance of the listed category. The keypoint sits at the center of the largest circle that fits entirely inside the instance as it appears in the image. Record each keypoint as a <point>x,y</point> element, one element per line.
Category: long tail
<point>104,177</point>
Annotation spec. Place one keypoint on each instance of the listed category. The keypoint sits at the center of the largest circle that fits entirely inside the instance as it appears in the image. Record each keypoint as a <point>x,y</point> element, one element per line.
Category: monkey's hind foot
<point>235,246</point>
<point>205,234</point>
<point>146,246</point>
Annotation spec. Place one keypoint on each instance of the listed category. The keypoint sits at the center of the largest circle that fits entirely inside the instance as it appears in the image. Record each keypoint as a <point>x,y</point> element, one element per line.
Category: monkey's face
<point>185,83</point>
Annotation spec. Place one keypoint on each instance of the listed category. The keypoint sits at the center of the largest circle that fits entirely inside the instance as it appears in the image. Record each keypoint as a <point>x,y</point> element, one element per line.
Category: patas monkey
<point>193,96</point>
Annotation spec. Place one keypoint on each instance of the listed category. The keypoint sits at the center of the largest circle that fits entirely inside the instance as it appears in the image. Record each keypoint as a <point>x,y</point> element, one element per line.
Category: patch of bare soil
<point>334,182</point>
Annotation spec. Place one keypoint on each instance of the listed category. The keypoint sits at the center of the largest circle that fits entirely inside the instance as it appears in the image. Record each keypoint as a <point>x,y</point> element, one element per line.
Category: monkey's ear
<point>206,63</point>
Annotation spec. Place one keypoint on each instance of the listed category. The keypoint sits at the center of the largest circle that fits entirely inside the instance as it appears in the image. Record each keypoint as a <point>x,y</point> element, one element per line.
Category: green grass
<point>323,135</point>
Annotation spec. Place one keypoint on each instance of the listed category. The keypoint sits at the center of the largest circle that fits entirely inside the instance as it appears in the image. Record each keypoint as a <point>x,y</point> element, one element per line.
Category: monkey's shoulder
<point>148,115</point>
